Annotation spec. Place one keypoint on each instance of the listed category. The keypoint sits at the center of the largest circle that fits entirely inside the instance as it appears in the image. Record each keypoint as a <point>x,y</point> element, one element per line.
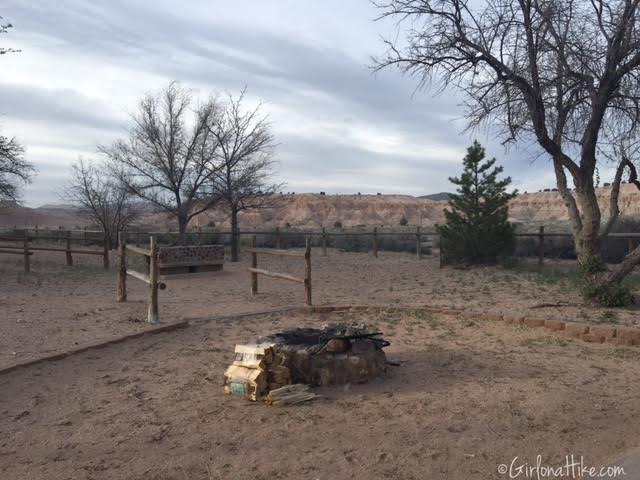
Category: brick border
<point>610,334</point>
<point>588,332</point>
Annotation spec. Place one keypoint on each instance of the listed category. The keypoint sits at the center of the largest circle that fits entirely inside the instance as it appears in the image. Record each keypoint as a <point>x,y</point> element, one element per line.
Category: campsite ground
<point>58,308</point>
<point>467,397</point>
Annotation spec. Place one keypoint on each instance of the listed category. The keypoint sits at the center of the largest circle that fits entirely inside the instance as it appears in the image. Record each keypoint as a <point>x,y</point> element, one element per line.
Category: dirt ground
<point>466,398</point>
<point>58,308</point>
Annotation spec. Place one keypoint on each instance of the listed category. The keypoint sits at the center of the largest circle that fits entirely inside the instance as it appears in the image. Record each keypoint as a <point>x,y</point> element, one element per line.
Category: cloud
<point>85,64</point>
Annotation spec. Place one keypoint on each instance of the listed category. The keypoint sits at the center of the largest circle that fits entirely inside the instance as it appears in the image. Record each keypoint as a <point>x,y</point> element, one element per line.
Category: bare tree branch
<point>244,161</point>
<point>168,158</point>
<point>14,169</point>
<point>566,72</point>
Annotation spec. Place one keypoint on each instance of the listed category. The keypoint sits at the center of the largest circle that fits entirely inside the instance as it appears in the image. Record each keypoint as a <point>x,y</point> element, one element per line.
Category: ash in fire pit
<point>335,354</point>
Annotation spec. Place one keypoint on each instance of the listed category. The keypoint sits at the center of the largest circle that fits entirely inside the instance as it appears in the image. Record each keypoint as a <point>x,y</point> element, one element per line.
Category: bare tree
<point>564,72</point>
<point>241,176</point>
<point>168,156</point>
<point>102,198</point>
<point>14,169</point>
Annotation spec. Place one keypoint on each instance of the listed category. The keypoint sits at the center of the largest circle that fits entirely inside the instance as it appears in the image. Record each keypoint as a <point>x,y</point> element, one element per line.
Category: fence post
<point>278,245</point>
<point>254,264</point>
<point>27,261</point>
<point>152,316</point>
<point>440,244</point>
<point>105,252</point>
<point>237,240</point>
<point>541,245</point>
<point>375,242</point>
<point>307,272</point>
<point>324,242</point>
<point>68,251</point>
<point>418,244</point>
<point>122,268</point>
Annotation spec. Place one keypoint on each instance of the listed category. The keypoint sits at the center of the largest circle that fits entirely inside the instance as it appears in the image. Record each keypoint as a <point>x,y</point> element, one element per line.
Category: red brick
<point>554,324</point>
<point>514,320</point>
<point>534,322</point>
<point>605,331</point>
<point>629,333</point>
<point>592,338</point>
<point>619,341</point>
<point>492,317</point>
<point>574,329</point>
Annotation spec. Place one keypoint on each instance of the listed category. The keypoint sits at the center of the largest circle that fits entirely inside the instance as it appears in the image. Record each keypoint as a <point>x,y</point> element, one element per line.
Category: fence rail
<point>374,239</point>
<point>27,249</point>
<point>255,271</point>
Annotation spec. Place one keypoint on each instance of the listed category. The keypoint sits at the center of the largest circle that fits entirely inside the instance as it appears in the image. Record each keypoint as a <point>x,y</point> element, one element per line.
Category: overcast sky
<point>341,128</point>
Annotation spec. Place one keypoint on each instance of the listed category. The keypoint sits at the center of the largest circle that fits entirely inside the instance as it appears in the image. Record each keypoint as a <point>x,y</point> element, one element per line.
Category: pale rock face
<point>309,210</point>
<point>313,211</point>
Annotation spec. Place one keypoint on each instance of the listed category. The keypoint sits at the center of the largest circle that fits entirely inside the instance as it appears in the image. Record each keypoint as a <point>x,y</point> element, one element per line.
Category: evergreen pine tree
<point>477,229</point>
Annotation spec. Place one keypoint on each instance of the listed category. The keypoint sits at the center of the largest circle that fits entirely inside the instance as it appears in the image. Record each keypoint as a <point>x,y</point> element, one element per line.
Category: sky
<point>340,127</point>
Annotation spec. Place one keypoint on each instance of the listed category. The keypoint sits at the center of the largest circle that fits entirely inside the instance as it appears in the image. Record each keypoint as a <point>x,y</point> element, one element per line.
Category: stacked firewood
<point>256,370</point>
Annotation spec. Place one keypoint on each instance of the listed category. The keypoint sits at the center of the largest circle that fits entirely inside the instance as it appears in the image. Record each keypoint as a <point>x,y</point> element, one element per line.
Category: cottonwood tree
<point>167,159</point>
<point>102,198</point>
<point>14,169</point>
<point>241,176</point>
<point>564,72</point>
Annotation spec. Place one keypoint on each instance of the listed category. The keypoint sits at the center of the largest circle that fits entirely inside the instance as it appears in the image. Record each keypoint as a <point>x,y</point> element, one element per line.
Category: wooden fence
<point>375,235</point>
<point>255,271</point>
<point>150,278</point>
<point>27,248</point>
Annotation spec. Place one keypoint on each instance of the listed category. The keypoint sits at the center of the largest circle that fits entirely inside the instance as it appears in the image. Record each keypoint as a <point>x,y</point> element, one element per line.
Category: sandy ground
<point>466,398</point>
<point>58,308</point>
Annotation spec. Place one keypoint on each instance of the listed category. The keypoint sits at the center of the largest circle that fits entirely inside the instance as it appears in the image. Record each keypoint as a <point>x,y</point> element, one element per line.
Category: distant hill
<point>438,197</point>
<point>309,210</point>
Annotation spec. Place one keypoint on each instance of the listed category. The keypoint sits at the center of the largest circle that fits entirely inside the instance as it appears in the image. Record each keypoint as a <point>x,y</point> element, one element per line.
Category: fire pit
<point>335,354</point>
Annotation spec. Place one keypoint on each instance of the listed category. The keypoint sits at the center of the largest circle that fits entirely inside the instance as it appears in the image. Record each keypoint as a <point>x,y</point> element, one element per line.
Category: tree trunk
<point>234,234</point>
<point>183,221</point>
<point>603,282</point>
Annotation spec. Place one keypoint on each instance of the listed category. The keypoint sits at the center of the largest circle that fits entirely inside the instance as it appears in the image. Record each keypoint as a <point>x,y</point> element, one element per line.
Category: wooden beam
<point>139,251</point>
<point>68,250</point>
<point>17,251</point>
<point>324,242</point>
<point>152,316</point>
<point>275,252</point>
<point>145,278</point>
<point>27,254</point>
<point>375,242</point>
<point>307,272</point>
<point>254,264</point>
<point>541,245</point>
<point>56,249</point>
<point>122,269</point>
<point>282,276</point>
